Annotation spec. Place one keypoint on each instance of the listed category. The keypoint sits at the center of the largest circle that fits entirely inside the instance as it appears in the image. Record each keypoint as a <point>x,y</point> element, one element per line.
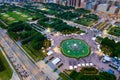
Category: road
<point>13,50</point>
<point>84,28</point>
<point>14,75</point>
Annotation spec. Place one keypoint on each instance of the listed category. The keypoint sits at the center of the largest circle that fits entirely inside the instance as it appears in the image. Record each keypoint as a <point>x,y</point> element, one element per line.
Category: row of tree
<point>57,7</point>
<point>101,76</point>
<point>115,31</point>
<point>112,45</point>
<point>69,15</point>
<point>80,15</point>
<point>23,32</point>
<point>2,67</point>
<point>58,25</point>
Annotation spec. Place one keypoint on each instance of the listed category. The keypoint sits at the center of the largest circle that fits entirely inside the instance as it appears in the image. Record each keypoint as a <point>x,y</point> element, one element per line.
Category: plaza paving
<point>95,56</point>
<point>56,40</point>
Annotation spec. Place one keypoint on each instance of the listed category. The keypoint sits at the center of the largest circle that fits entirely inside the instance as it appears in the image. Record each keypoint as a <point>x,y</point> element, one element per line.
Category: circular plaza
<point>75,48</point>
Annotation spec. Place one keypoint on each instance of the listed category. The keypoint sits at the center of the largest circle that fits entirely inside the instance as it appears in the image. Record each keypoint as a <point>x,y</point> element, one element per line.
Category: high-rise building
<point>43,1</point>
<point>77,3</point>
<point>109,6</point>
<point>112,10</point>
<point>59,1</point>
<point>83,3</point>
<point>1,1</point>
<point>89,5</point>
<point>118,11</point>
<point>102,7</point>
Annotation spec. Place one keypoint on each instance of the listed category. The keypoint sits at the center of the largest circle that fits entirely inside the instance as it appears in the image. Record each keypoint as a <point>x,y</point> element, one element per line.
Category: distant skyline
<point>107,6</point>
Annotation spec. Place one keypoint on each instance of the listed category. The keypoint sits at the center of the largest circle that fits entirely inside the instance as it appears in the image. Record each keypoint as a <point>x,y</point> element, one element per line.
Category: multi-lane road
<point>24,66</point>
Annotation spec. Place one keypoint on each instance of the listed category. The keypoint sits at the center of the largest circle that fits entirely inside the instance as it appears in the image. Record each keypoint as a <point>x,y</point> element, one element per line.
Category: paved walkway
<point>47,70</point>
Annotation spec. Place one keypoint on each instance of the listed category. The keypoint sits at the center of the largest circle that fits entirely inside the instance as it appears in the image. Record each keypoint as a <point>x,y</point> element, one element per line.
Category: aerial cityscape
<point>59,39</point>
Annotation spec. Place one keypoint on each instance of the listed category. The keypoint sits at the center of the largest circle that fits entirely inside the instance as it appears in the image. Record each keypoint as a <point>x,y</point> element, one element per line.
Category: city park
<point>72,51</point>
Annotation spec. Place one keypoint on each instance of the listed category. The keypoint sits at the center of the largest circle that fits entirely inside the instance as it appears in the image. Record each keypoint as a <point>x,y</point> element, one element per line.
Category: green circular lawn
<point>75,48</point>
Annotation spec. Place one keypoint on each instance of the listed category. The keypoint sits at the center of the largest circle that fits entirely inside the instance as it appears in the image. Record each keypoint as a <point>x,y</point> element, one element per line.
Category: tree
<point>106,76</point>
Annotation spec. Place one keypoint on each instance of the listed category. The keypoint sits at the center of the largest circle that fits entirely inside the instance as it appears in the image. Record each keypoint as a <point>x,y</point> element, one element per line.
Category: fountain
<point>75,46</point>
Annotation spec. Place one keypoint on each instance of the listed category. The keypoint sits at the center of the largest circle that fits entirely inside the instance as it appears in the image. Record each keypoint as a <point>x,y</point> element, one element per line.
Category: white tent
<point>83,65</point>
<point>49,53</point>
<point>75,66</point>
<point>87,64</point>
<point>79,65</point>
<point>56,60</point>
<point>91,64</point>
<point>82,33</point>
<point>70,67</point>
<point>107,58</point>
<point>93,38</point>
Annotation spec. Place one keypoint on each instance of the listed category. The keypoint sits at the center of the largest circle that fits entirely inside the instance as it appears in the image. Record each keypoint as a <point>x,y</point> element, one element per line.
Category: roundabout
<point>75,48</point>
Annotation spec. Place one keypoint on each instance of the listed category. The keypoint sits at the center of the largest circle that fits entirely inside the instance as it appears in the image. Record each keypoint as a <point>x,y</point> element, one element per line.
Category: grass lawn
<point>85,21</point>
<point>75,48</point>
<point>7,73</point>
<point>14,17</point>
<point>18,16</point>
<point>51,11</point>
<point>36,55</point>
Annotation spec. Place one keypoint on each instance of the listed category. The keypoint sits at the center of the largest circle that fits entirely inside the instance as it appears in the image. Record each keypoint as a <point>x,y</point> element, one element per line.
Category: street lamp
<point>105,32</point>
<point>58,33</point>
<point>48,30</point>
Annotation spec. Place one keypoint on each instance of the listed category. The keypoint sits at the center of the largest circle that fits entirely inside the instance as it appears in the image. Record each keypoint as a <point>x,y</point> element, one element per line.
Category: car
<point>110,71</point>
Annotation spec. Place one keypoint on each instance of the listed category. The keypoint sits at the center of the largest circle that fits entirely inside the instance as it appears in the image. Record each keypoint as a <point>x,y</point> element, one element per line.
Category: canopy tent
<point>49,53</point>
<point>70,67</point>
<point>56,60</point>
